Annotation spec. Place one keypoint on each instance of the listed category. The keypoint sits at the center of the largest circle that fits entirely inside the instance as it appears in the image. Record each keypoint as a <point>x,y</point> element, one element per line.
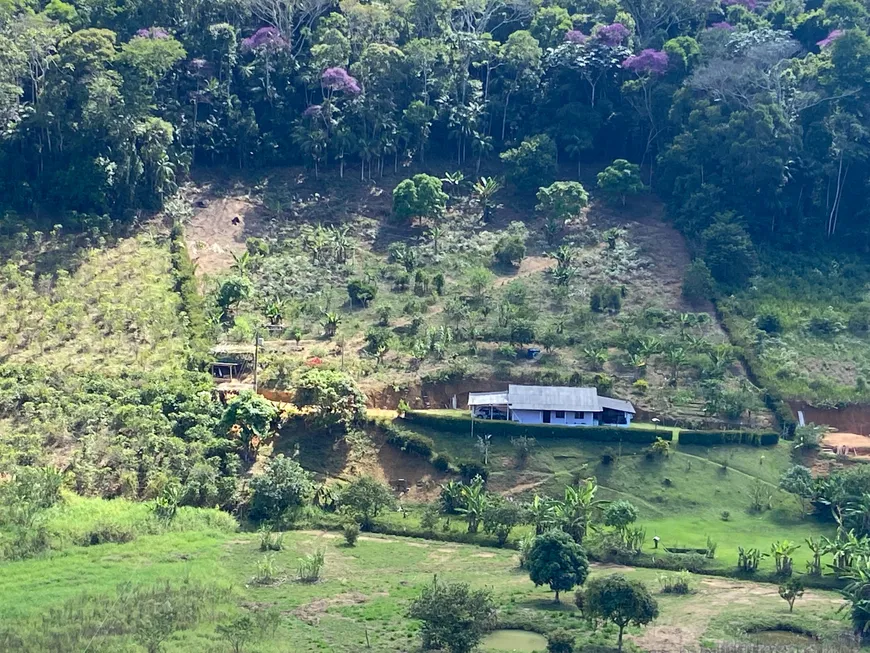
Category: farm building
<point>542,404</point>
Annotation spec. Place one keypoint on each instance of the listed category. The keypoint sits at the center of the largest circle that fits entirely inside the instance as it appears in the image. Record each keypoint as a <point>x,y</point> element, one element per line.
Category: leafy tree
<point>232,292</point>
<point>790,591</point>
<point>500,517</point>
<point>510,249</point>
<point>361,292</point>
<point>283,486</point>
<point>485,189</point>
<point>454,617</point>
<point>249,417</point>
<point>239,632</point>
<point>364,499</point>
<point>419,197</point>
<point>619,600</point>
<point>698,284</point>
<point>620,515</point>
<point>620,179</point>
<point>798,480</point>
<point>561,201</point>
<point>532,164</point>
<point>558,561</point>
<point>480,279</point>
<point>729,253</point>
<point>333,394</point>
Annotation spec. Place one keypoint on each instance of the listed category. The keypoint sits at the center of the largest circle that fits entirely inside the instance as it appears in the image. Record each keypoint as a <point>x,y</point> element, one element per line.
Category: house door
<point>546,417</point>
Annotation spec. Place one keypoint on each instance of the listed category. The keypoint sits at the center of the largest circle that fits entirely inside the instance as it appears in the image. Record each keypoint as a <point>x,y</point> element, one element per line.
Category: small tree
<point>620,515</point>
<point>335,396</point>
<point>698,284</point>
<point>798,480</point>
<point>790,591</point>
<point>620,601</point>
<point>283,486</point>
<point>419,197</point>
<point>620,179</point>
<point>238,633</point>
<point>499,518</point>
<point>509,250</point>
<point>558,561</point>
<point>364,499</point>
<point>454,616</point>
<point>532,164</point>
<point>562,200</point>
<point>249,417</point>
<point>232,292</point>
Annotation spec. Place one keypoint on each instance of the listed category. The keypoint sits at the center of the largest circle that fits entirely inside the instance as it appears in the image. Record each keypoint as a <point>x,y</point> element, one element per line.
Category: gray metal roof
<point>550,397</point>
<point>616,404</point>
<point>488,398</point>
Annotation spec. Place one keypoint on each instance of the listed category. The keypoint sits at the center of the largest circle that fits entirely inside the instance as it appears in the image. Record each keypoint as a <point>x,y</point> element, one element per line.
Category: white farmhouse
<point>544,404</point>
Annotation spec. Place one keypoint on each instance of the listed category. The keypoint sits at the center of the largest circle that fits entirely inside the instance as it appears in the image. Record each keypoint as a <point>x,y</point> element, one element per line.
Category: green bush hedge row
<point>714,438</point>
<point>462,425</point>
<point>188,289</point>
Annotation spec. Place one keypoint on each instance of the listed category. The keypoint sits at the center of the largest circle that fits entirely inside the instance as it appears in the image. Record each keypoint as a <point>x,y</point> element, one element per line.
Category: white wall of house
<point>564,418</point>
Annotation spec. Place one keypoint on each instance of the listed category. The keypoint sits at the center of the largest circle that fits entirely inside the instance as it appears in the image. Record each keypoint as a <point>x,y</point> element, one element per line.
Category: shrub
<point>698,284</point>
<point>365,498</point>
<point>605,297</point>
<point>454,617</point>
<point>641,386</point>
<point>351,533</point>
<point>284,485</point>
<point>620,600</point>
<point>271,541</point>
<point>769,322</point>
<point>679,583</point>
<point>411,442</point>
<point>859,319</point>
<point>470,469</point>
<point>310,567</point>
<point>560,641</point>
<point>509,250</point>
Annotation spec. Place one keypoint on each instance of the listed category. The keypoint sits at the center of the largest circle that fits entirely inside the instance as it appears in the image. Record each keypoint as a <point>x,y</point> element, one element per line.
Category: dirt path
<point>219,229</point>
<point>684,624</point>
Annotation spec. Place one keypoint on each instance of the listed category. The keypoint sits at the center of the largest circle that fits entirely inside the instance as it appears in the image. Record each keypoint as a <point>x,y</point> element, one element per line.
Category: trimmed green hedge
<point>715,438</point>
<point>462,425</point>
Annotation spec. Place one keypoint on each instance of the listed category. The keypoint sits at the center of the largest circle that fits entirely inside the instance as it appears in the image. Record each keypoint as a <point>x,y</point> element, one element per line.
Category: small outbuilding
<point>544,404</point>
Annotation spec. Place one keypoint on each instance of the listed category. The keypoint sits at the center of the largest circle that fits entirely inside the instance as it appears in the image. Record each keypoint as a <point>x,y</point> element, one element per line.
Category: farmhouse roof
<point>488,398</point>
<point>616,404</point>
<point>551,397</point>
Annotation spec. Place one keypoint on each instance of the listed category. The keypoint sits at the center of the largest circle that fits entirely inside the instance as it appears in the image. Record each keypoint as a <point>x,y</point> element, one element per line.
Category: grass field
<point>681,498</point>
<point>363,595</point>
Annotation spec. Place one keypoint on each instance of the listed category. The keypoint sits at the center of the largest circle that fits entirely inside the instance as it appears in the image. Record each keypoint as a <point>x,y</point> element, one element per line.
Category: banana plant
<point>782,552</point>
<point>575,514</point>
<point>476,500</point>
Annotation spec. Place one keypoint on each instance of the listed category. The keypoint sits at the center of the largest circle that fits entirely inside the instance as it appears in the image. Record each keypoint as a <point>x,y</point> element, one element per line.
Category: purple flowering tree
<point>337,80</point>
<point>647,62</point>
<point>612,35</point>
<point>265,43</point>
<point>153,33</point>
<point>575,36</point>
<point>830,38</point>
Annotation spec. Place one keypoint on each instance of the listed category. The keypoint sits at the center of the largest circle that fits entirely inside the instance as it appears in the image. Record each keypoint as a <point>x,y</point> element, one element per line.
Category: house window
<point>560,414</point>
<point>579,415</point>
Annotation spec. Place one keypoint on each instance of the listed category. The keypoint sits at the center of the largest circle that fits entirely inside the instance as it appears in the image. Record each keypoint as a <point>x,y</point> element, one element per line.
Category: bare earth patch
<point>310,613</point>
<point>686,623</point>
<point>219,230</point>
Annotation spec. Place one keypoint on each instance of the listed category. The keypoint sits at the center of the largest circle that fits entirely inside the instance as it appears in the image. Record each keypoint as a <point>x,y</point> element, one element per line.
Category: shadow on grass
<point>566,603</point>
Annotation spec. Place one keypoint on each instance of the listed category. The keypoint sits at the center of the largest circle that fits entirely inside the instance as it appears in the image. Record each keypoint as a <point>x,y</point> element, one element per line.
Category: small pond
<point>514,641</point>
<point>781,638</point>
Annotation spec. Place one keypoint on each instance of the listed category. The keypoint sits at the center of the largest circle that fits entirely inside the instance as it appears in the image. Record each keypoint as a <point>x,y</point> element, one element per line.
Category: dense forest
<point>748,117</point>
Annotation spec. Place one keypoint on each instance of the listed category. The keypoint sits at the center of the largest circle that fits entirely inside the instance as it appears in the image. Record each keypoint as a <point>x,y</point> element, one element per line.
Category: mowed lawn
<point>365,592</point>
<point>694,493</point>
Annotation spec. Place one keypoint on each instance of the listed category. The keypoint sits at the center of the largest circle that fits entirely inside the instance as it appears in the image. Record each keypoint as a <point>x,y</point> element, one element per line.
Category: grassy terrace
<point>364,592</point>
<point>695,493</point>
